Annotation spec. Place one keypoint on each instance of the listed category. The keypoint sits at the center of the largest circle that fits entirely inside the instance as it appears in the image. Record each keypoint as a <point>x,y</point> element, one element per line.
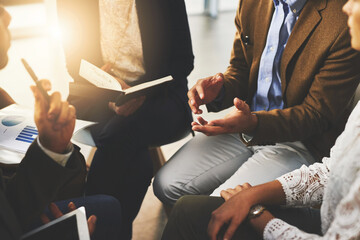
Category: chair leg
<point>157,158</point>
<point>211,7</point>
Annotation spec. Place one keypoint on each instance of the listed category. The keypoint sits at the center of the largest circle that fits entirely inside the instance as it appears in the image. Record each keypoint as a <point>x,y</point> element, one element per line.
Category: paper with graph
<point>18,129</point>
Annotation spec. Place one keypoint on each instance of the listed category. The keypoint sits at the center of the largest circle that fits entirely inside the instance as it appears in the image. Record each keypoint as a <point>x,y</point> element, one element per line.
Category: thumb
<point>46,84</point>
<point>242,106</point>
<point>39,99</point>
<point>35,92</point>
<point>107,67</point>
<point>218,122</point>
<point>92,224</point>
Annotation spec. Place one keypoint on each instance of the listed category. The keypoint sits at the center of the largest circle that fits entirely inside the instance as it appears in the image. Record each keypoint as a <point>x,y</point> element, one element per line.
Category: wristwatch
<point>256,211</point>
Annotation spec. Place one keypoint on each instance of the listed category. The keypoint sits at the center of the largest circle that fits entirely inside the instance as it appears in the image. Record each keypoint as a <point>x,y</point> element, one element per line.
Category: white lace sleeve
<point>305,186</point>
<point>346,224</point>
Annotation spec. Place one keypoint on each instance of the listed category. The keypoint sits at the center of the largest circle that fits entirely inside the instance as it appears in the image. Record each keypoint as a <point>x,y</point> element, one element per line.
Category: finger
<point>107,67</point>
<point>202,121</point>
<point>242,106</point>
<point>232,191</point>
<point>63,116</point>
<point>71,115</point>
<point>134,107</point>
<point>246,185</point>
<point>214,227</point>
<point>194,107</point>
<point>194,99</point>
<point>71,206</point>
<point>123,84</point>
<point>55,106</point>
<point>200,90</point>
<point>194,124</point>
<point>209,130</point>
<point>218,122</point>
<point>231,230</point>
<point>112,106</point>
<point>124,108</point>
<point>192,94</point>
<point>44,219</point>
<point>35,92</point>
<point>92,224</point>
<point>238,188</point>
<point>5,17</point>
<point>46,84</point>
<point>39,98</point>
<point>55,211</point>
<point>218,78</point>
<point>225,195</point>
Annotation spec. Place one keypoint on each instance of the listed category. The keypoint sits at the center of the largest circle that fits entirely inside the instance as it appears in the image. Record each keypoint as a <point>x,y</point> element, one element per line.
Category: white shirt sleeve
<point>57,157</point>
<point>346,224</point>
<point>305,186</point>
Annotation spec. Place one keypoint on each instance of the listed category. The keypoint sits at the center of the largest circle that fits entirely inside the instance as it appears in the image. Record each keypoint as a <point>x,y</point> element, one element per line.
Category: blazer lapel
<point>308,20</point>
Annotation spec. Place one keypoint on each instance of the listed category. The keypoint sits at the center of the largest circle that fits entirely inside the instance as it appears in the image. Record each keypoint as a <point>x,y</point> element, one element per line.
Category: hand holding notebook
<point>104,80</point>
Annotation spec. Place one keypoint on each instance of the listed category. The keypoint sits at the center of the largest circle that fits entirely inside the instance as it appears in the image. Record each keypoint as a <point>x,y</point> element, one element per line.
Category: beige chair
<point>157,158</point>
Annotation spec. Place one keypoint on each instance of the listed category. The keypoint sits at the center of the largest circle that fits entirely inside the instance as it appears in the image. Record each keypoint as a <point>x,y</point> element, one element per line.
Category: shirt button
<point>271,48</point>
<point>267,79</point>
<point>294,11</point>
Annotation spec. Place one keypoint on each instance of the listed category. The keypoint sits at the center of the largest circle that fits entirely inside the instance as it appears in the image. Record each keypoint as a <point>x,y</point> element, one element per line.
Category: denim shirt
<point>268,95</point>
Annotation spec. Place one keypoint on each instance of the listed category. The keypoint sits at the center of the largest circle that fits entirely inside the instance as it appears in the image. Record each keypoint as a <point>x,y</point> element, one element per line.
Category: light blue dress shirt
<point>268,95</point>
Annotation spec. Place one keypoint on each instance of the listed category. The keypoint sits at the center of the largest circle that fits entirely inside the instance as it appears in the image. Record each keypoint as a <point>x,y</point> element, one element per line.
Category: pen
<point>36,80</point>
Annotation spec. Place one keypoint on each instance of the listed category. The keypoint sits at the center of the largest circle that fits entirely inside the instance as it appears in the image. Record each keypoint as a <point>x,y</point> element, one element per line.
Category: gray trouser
<point>206,165</point>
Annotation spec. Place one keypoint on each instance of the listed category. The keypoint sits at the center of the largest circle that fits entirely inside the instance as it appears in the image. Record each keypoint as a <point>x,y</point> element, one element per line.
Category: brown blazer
<point>319,73</point>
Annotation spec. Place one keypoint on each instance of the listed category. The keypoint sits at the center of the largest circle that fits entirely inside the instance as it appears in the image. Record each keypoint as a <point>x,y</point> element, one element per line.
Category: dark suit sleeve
<point>182,58</point>
<point>37,182</point>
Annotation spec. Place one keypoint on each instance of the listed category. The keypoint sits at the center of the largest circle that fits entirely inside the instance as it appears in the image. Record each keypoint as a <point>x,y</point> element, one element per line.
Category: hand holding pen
<point>54,118</point>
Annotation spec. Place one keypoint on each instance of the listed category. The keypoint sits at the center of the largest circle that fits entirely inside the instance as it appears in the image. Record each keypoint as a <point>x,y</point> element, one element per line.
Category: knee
<point>184,208</point>
<point>182,224</point>
<point>165,189</point>
<point>110,201</point>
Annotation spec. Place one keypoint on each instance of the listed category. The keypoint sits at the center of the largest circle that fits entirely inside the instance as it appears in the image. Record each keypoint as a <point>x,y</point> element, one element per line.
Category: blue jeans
<point>107,210</point>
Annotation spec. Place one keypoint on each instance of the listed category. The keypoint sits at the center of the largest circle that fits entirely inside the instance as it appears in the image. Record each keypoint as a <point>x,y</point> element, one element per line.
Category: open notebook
<point>102,79</point>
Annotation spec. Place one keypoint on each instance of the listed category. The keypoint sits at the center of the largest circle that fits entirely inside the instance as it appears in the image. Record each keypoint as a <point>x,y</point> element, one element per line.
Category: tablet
<point>71,226</point>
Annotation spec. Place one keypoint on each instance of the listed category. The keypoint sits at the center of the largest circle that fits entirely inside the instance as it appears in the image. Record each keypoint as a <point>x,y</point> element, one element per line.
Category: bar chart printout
<point>17,132</point>
<point>18,129</point>
<point>28,134</point>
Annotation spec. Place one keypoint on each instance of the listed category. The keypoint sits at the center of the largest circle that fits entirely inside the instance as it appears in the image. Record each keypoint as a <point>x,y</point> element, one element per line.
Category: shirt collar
<point>295,5</point>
